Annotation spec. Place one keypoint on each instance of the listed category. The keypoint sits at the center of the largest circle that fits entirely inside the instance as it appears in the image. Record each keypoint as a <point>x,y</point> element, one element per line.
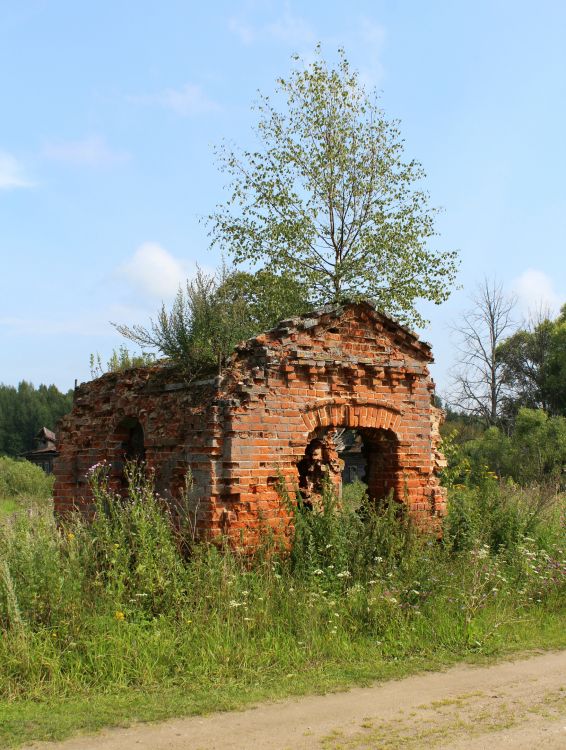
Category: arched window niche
<point>129,446</point>
<point>343,456</point>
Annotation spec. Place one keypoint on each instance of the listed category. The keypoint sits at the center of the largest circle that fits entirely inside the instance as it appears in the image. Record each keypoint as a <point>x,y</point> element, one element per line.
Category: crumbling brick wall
<point>339,367</point>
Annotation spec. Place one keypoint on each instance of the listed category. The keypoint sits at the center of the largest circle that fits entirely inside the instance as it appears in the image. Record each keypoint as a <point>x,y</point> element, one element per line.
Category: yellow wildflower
<point>119,615</point>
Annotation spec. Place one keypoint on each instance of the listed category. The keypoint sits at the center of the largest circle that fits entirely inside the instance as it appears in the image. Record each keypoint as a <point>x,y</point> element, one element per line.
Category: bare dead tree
<point>478,381</point>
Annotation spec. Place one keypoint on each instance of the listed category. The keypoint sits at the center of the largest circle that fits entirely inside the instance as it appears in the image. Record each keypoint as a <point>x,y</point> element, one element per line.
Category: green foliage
<point>555,384</point>
<point>214,313</point>
<point>120,359</point>
<point>341,541</point>
<point>25,410</point>
<point>115,606</point>
<point>501,516</point>
<point>21,479</point>
<point>269,297</point>
<point>534,366</point>
<point>330,198</point>
<point>534,452</point>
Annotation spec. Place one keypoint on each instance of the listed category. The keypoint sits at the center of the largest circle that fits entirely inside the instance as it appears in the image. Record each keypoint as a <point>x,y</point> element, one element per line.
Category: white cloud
<point>535,291</point>
<point>154,271</point>
<point>92,151</point>
<point>287,28</point>
<point>291,29</point>
<point>364,36</point>
<point>12,174</point>
<point>245,31</point>
<point>188,101</point>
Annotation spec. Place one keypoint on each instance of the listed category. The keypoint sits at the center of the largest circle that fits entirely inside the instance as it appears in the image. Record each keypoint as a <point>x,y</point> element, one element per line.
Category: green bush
<point>116,603</point>
<point>534,452</point>
<point>20,479</point>
<point>501,514</point>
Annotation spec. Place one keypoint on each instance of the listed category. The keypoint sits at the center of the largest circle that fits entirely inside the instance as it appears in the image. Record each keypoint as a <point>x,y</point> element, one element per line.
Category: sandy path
<point>518,704</point>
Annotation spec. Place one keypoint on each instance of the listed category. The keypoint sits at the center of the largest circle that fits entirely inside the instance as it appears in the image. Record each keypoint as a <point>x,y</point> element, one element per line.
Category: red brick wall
<point>340,367</point>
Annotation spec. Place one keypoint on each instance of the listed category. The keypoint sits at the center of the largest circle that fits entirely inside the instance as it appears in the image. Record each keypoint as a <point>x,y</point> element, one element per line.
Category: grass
<point>108,622</point>
<point>7,506</point>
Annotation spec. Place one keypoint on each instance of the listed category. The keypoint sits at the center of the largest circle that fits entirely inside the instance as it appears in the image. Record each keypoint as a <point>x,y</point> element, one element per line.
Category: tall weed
<point>118,603</point>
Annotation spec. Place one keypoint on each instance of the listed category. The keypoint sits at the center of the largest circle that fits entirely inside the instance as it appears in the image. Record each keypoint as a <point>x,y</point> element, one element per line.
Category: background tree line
<point>507,407</point>
<point>25,410</point>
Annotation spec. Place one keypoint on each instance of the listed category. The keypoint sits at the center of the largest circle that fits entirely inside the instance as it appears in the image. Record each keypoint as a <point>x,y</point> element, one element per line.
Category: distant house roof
<point>46,444</point>
<point>47,434</point>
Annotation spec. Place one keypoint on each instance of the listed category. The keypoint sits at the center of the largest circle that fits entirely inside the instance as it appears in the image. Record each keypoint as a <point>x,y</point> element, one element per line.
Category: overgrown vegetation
<point>25,410</point>
<point>533,453</point>
<point>23,486</point>
<point>120,359</point>
<point>21,480</point>
<point>115,608</point>
<point>214,312</point>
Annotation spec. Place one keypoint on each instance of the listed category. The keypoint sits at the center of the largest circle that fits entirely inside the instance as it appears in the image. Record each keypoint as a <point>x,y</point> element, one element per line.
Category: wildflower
<point>119,615</point>
<point>70,535</point>
<point>344,574</point>
<point>318,572</point>
<point>234,603</point>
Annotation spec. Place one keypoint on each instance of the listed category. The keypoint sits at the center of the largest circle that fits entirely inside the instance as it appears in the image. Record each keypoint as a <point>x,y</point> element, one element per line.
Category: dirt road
<point>519,704</point>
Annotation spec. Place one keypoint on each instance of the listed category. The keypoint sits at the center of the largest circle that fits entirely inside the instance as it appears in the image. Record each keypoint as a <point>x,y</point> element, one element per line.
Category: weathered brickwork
<point>295,386</point>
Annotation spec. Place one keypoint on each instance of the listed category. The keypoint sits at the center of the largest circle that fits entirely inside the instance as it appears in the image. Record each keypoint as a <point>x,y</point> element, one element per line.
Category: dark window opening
<point>344,456</point>
<point>131,448</point>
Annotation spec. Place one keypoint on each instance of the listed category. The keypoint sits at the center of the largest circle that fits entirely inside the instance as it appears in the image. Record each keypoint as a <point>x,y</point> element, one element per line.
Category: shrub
<point>535,452</point>
<point>21,479</point>
<point>500,514</point>
<point>116,603</point>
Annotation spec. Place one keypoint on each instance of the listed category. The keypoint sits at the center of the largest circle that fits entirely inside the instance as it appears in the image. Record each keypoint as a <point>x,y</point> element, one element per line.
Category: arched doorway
<point>130,443</point>
<point>346,455</point>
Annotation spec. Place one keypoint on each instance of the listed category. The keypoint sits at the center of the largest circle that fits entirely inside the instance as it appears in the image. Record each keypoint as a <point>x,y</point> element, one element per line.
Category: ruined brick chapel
<point>342,392</point>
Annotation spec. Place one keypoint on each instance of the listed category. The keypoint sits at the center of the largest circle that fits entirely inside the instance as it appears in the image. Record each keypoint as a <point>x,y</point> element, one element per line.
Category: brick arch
<point>122,415</point>
<point>124,441</point>
<point>379,425</point>
<point>355,416</point>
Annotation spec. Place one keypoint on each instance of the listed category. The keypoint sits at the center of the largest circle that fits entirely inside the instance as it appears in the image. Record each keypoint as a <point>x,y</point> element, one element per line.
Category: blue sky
<point>110,110</point>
